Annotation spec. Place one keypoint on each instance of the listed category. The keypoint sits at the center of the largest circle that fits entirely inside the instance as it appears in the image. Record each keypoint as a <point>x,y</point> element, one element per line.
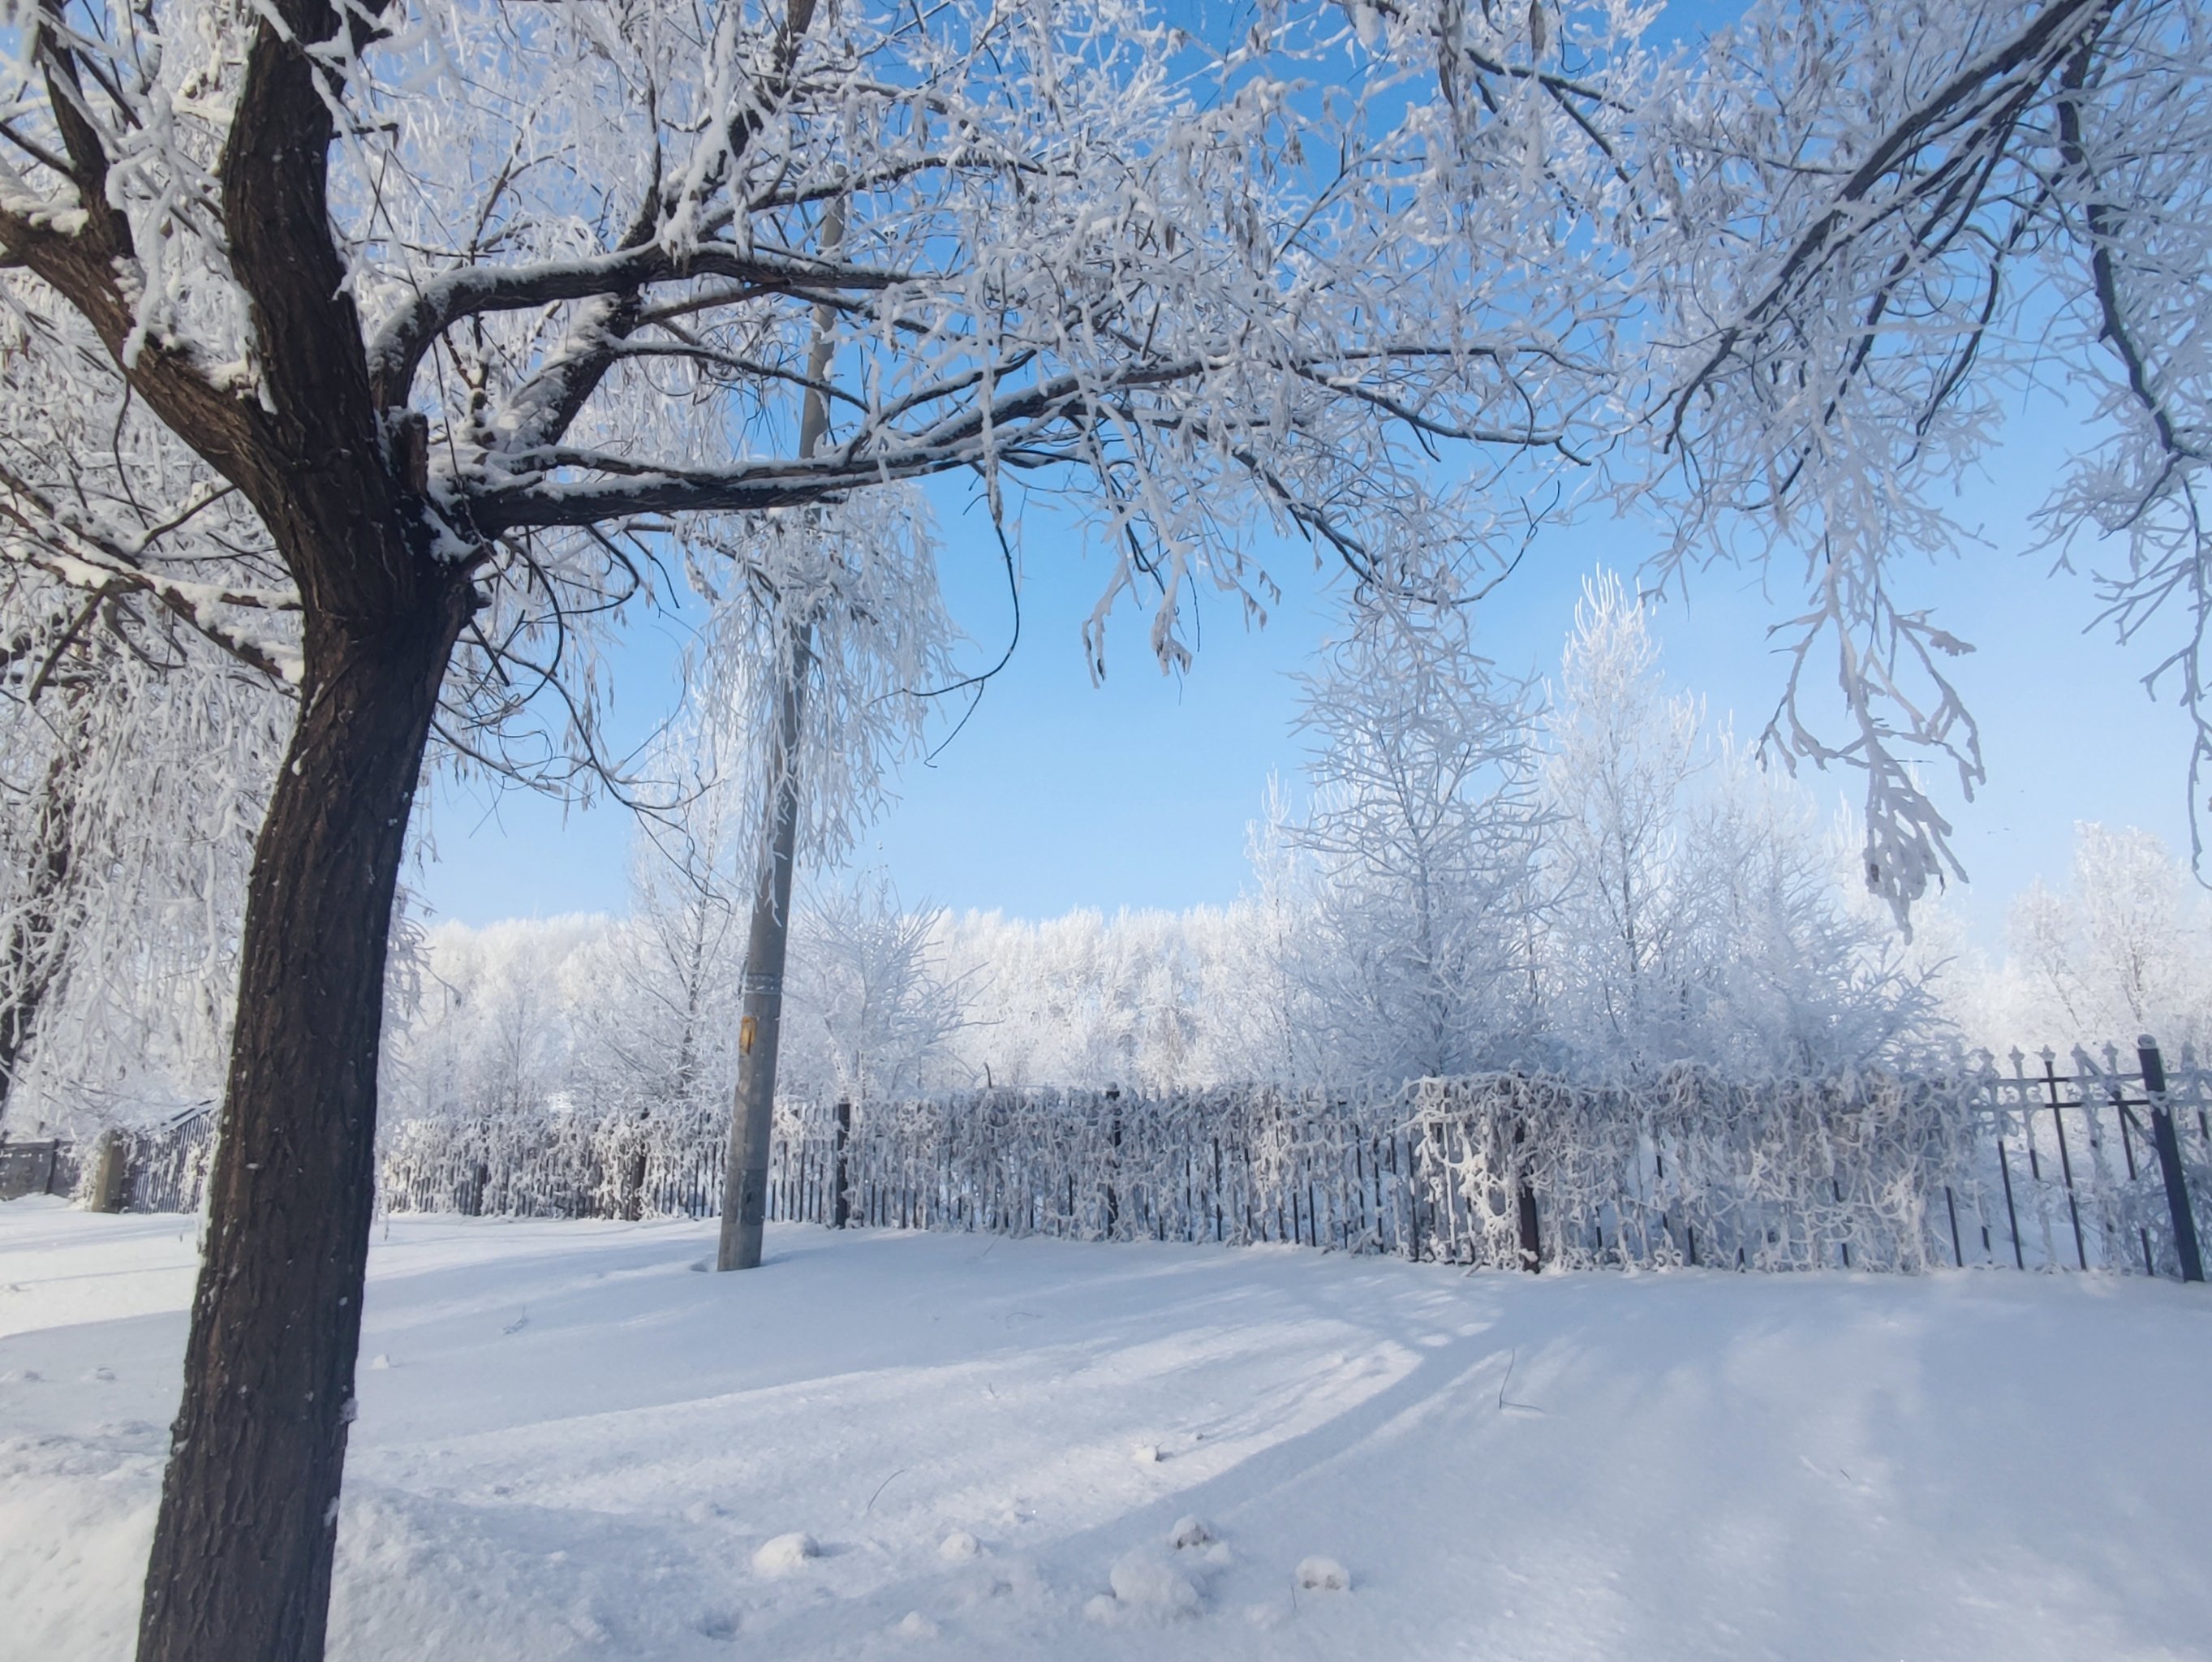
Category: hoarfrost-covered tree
<point>1624,757</point>
<point>134,762</point>
<point>1081,999</point>
<point>461,303</point>
<point>1700,911</point>
<point>667,1035</point>
<point>494,1025</point>
<point>1422,834</point>
<point>1260,984</point>
<point>870,993</point>
<point>2126,949</point>
<point>1792,969</point>
<point>655,1032</point>
<point>140,738</point>
<point>1872,226</point>
<point>823,661</point>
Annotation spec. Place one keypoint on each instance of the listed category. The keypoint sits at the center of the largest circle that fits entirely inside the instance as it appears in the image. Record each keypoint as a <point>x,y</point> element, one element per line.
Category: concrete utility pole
<point>760,1023</point>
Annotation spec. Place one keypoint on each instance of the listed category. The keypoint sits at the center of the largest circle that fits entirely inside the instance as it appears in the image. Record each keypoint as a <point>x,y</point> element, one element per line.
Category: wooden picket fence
<point>2102,1167</point>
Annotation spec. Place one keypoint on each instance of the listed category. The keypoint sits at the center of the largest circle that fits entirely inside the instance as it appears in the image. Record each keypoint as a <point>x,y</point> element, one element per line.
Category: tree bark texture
<point>241,1568</point>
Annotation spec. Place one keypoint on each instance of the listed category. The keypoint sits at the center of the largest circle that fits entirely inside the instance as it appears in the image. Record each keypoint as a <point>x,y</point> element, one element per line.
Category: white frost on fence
<point>1863,1170</point>
<point>1866,1169</point>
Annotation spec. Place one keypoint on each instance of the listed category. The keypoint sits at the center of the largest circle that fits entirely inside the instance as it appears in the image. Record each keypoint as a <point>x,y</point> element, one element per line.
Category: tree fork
<point>241,1567</point>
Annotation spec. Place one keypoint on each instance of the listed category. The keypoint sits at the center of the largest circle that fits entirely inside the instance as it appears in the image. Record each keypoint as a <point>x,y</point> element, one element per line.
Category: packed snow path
<point>571,1445</point>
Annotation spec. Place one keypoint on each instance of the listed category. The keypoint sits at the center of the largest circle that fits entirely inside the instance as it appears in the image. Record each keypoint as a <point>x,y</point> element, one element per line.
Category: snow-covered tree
<point>1260,981</point>
<point>463,300</point>
<point>873,1010</point>
<point>495,1025</point>
<point>1792,968</point>
<point>1870,227</point>
<point>138,738</point>
<point>133,765</point>
<point>657,1032</point>
<point>1422,834</point>
<point>1624,757</point>
<point>2125,949</point>
<point>1701,910</point>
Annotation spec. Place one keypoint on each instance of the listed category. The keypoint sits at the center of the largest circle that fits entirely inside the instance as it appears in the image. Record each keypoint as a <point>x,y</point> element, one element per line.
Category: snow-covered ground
<point>571,1445</point>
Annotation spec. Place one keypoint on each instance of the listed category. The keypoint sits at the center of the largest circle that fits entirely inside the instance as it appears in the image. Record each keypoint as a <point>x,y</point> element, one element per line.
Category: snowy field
<point>571,1445</point>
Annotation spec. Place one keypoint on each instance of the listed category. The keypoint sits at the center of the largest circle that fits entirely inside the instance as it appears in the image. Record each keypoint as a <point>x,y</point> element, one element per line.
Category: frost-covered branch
<point>1874,227</point>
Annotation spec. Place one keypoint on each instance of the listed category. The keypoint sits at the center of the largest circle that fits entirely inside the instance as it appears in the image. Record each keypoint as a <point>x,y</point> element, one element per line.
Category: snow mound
<point>785,1553</point>
<point>958,1546</point>
<point>1148,1585</point>
<point>915,1625</point>
<point>1191,1532</point>
<point>1145,1454</point>
<point>1319,1575</point>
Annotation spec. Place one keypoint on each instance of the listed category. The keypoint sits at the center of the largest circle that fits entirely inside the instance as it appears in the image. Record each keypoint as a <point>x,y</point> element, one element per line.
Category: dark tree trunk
<point>240,1570</point>
<point>30,953</point>
<point>33,955</point>
<point>633,1171</point>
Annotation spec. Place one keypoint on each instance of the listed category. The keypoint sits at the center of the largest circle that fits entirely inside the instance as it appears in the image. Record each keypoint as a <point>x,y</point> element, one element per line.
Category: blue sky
<point>1058,794</point>
<point>1138,793</point>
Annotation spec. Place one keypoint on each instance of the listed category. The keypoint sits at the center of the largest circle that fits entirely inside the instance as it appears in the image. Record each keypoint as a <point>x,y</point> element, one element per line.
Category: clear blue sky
<point>1057,794</point>
<point>1138,793</point>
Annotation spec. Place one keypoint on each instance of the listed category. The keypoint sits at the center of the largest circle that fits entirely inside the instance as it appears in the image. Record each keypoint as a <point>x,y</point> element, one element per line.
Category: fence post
<point>112,1172</point>
<point>839,1208</point>
<point>2065,1159</point>
<point>1114,1160</point>
<point>1531,1243</point>
<point>2169,1158</point>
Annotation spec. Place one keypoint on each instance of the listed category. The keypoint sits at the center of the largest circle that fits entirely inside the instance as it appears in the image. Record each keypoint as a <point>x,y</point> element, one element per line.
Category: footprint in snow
<point>1191,1532</point>
<point>1319,1575</point>
<point>719,1625</point>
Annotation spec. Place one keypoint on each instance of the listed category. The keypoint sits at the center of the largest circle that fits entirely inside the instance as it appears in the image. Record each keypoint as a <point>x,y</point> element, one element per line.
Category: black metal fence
<point>37,1168</point>
<point>2102,1166</point>
<point>2105,1167</point>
